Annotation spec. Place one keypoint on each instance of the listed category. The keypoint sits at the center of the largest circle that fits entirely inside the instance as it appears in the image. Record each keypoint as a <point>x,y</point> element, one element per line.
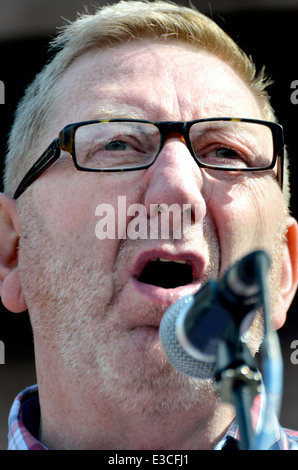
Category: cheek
<point>247,215</point>
<point>86,214</point>
<point>69,223</point>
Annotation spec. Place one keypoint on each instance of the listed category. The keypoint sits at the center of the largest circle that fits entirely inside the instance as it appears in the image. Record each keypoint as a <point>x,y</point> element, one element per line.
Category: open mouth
<point>166,273</point>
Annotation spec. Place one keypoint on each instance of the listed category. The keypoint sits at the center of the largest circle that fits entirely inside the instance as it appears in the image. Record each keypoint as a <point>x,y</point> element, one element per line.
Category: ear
<point>10,286</point>
<point>289,279</point>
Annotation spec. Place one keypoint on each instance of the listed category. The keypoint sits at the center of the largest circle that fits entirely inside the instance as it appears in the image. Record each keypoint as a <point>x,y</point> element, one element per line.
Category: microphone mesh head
<point>176,355</point>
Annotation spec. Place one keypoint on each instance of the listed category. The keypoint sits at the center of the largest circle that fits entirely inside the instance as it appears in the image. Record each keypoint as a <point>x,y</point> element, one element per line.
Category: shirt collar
<point>24,421</point>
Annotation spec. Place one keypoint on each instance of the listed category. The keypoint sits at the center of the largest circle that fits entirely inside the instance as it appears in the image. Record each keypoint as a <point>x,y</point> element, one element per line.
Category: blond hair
<point>109,26</point>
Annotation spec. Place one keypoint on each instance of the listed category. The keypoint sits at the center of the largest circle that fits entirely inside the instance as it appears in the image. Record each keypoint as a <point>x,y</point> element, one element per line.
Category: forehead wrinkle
<point>129,102</point>
<point>91,81</point>
<point>123,112</point>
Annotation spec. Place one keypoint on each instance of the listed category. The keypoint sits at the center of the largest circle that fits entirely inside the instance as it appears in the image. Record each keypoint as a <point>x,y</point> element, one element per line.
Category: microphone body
<point>193,327</point>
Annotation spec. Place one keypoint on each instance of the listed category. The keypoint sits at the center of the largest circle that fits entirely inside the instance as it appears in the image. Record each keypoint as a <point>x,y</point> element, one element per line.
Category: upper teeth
<point>181,261</point>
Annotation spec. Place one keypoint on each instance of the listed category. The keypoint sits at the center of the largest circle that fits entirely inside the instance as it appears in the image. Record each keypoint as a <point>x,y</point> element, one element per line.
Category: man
<point>96,302</point>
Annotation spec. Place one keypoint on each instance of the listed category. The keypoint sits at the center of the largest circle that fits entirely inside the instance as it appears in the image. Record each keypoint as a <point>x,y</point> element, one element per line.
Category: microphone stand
<point>238,381</point>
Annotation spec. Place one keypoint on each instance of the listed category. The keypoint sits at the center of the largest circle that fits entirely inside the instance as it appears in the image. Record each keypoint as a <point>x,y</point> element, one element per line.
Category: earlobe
<point>289,280</point>
<point>12,294</point>
<point>10,286</point>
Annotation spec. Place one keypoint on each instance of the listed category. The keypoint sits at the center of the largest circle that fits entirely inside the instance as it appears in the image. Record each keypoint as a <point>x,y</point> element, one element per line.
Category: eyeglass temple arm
<point>50,155</point>
<point>280,170</point>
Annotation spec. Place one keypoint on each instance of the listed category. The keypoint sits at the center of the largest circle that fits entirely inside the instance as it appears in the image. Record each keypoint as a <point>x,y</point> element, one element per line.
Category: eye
<point>116,145</point>
<point>225,156</point>
<point>226,153</point>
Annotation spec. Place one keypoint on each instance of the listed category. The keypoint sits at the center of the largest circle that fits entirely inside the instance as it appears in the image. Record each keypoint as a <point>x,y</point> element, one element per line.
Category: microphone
<point>192,328</point>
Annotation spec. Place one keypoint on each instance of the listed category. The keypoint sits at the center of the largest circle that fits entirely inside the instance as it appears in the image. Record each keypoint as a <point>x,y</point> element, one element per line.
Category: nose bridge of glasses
<point>174,129</point>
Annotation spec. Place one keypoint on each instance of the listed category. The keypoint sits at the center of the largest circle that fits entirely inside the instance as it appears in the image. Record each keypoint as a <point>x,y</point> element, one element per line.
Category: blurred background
<point>265,29</point>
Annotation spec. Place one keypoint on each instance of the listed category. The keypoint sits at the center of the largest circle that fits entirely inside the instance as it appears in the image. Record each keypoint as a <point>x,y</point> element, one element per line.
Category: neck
<point>75,416</point>
<point>83,423</point>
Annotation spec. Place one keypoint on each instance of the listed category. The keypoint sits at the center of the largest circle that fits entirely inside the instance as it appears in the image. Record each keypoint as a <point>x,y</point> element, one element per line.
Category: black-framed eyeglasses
<point>226,144</point>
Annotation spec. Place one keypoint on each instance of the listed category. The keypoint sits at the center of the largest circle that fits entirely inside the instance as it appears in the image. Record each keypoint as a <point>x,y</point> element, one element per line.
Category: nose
<point>175,178</point>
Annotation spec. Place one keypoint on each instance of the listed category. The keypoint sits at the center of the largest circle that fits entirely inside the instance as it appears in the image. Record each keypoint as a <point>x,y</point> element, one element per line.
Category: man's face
<point>87,303</point>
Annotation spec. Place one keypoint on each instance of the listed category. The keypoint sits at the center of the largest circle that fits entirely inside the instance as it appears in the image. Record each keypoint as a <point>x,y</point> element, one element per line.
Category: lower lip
<point>162,296</point>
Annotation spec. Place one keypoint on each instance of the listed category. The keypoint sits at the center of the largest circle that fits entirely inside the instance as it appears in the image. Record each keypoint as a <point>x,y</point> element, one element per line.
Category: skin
<point>103,378</point>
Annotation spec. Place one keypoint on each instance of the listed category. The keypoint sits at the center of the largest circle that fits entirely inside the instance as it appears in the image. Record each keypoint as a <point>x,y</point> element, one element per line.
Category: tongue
<point>166,274</point>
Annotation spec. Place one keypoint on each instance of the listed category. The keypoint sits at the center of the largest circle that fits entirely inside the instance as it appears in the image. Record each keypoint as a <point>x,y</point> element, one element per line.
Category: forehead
<point>158,81</point>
